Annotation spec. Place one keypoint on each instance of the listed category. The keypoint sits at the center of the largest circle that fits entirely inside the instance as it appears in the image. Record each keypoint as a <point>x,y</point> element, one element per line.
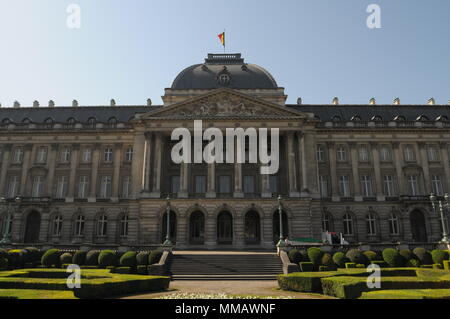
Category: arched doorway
<point>418,226</point>
<point>224,228</point>
<point>252,232</point>
<point>276,225</point>
<point>173,227</point>
<point>32,227</point>
<point>197,228</point>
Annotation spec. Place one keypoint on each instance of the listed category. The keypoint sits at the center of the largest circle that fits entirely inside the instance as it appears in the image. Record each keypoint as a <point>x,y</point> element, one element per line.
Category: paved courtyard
<point>258,288</point>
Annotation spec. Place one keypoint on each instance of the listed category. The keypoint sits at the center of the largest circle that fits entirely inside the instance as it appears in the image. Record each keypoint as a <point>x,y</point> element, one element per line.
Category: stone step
<point>223,277</point>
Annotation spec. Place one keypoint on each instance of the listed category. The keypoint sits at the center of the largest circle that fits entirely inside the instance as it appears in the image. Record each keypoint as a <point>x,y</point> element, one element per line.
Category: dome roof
<point>224,70</point>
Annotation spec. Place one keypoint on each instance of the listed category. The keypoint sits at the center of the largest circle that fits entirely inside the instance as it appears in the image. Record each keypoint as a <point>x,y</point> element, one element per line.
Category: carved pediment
<point>224,103</point>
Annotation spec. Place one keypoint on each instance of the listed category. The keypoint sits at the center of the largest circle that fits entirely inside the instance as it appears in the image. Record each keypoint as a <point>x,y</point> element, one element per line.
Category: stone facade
<point>86,175</point>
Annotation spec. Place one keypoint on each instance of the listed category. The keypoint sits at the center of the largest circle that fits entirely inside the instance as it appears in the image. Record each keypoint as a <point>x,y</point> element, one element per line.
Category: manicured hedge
<point>446,264</point>
<point>295,256</point>
<point>79,258</point>
<point>128,259</point>
<point>423,256</point>
<point>356,256</point>
<point>339,259</point>
<point>3,263</point>
<point>107,258</point>
<point>66,258</point>
<point>51,258</point>
<point>142,270</point>
<point>406,254</point>
<point>315,256</point>
<point>371,255</point>
<point>154,257</point>
<point>92,258</point>
<point>306,266</point>
<point>327,261</point>
<point>439,256</point>
<point>392,257</point>
<point>303,282</point>
<point>142,258</point>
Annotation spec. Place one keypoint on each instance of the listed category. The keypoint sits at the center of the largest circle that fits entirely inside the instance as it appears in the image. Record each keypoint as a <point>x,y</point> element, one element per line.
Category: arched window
<point>57,225</point>
<point>371,221</point>
<point>393,224</point>
<point>79,225</point>
<point>48,122</point>
<point>71,122</point>
<point>356,118</point>
<point>327,222</point>
<point>399,118</point>
<point>6,121</point>
<point>336,118</point>
<point>124,225</point>
<point>112,122</point>
<point>348,224</point>
<point>422,118</point>
<point>26,120</point>
<point>377,118</point>
<point>442,118</point>
<point>91,122</point>
<point>102,224</point>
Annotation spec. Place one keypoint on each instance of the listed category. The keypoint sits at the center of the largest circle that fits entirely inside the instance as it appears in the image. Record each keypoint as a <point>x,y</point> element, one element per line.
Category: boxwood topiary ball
<point>79,258</point>
<point>423,256</point>
<point>356,256</point>
<point>439,256</point>
<point>92,258</point>
<point>315,256</point>
<point>295,256</point>
<point>51,258</point>
<point>128,259</point>
<point>107,258</point>
<point>413,263</point>
<point>66,258</point>
<point>3,263</point>
<point>392,257</point>
<point>154,257</point>
<point>406,254</point>
<point>371,255</point>
<point>340,259</point>
<point>142,258</point>
<point>327,260</point>
<point>16,259</point>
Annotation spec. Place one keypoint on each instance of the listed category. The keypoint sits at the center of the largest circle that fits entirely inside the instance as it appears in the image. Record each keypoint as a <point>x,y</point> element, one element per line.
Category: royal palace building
<point>101,175</point>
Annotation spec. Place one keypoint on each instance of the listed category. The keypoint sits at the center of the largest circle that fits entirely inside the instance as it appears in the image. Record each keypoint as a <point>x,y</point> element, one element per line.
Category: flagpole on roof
<point>224,42</point>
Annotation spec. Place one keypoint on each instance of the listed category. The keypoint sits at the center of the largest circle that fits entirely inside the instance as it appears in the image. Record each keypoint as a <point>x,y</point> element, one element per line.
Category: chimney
<point>396,101</point>
<point>372,101</point>
<point>431,101</point>
<point>74,103</point>
<point>335,101</point>
<point>299,101</point>
<point>35,104</point>
<point>113,102</point>
<point>149,102</point>
<point>51,103</point>
<point>16,104</point>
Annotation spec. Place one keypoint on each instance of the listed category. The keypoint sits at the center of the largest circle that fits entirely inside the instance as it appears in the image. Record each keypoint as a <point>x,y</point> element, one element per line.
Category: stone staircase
<point>225,266</point>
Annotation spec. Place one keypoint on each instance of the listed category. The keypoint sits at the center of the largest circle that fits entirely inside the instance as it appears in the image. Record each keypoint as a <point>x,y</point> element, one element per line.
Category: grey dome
<point>224,70</point>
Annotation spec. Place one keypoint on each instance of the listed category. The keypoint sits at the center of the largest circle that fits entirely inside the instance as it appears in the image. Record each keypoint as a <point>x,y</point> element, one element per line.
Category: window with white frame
<point>102,225</point>
<point>86,155</point>
<point>6,224</point>
<point>57,225</point>
<point>433,153</point>
<point>371,224</point>
<point>79,225</point>
<point>393,224</point>
<point>13,186</point>
<point>108,155</point>
<point>320,154</point>
<point>388,185</point>
<point>37,187</point>
<point>413,185</point>
<point>408,152</point>
<point>124,225</point>
<point>126,187</point>
<point>385,154</point>
<point>326,222</point>
<point>348,224</point>
<point>344,186</point>
<point>436,185</point>
<point>105,187</point>
<point>65,155</point>
<point>61,186</point>
<point>366,186</point>
<point>41,155</point>
<point>363,153</point>
<point>129,154</point>
<point>323,185</point>
<point>18,155</point>
<point>83,186</point>
<point>341,154</point>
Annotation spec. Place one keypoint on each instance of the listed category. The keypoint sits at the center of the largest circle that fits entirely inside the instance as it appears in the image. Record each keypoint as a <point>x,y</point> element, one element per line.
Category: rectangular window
<point>341,154</point>
<point>105,187</point>
<point>436,185</point>
<point>83,186</point>
<point>433,154</point>
<point>200,184</point>
<point>225,184</point>
<point>320,154</point>
<point>366,186</point>
<point>37,186</point>
<point>323,184</point>
<point>126,187</point>
<point>363,154</point>
<point>65,155</point>
<point>273,184</point>
<point>249,184</point>
<point>344,186</point>
<point>61,187</point>
<point>388,185</point>
<point>86,155</point>
<point>413,185</point>
<point>13,186</point>
<point>409,153</point>
<point>129,154</point>
<point>18,155</point>
<point>41,155</point>
<point>385,154</point>
<point>108,155</point>
<point>174,184</point>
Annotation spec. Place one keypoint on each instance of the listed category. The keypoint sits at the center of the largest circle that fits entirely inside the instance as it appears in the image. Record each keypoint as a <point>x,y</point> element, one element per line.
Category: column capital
<point>396,144</point>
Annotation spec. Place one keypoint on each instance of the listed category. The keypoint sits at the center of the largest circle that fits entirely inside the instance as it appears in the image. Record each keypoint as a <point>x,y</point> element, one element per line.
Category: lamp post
<point>434,202</point>
<point>281,242</point>
<point>6,229</point>
<point>167,242</point>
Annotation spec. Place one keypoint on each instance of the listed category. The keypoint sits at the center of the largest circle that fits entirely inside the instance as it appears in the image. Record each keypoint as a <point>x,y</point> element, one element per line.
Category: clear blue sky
<point>132,50</point>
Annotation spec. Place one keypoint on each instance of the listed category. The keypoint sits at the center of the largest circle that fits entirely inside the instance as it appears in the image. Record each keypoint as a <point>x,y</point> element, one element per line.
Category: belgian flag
<point>222,38</point>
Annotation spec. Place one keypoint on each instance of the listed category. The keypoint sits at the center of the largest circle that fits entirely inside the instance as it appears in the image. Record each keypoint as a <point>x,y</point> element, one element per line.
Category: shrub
<point>302,282</point>
<point>79,258</point>
<point>315,256</point>
<point>406,254</point>
<point>447,265</point>
<point>32,255</point>
<point>360,266</point>
<point>15,257</point>
<point>423,256</point>
<point>426,266</point>
<point>392,257</point>
<point>380,263</point>
<point>3,263</point>
<point>439,256</point>
<point>371,255</point>
<point>3,253</point>
<point>106,258</point>
<point>306,266</point>
<point>340,259</point>
<point>66,258</point>
<point>122,270</point>
<point>327,260</point>
<point>413,263</point>
<point>437,266</point>
<point>350,265</point>
<point>128,259</point>
<point>141,270</point>
<point>154,257</point>
<point>356,256</point>
<point>295,256</point>
<point>51,258</point>
<point>142,258</point>
<point>92,258</point>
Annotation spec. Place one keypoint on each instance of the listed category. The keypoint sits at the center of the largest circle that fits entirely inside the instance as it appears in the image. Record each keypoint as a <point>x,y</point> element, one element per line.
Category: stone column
<point>210,231</point>
<point>292,165</point>
<point>425,167</point>
<point>147,162</point>
<point>116,172</point>
<point>445,163</point>
<point>398,161</point>
<point>73,170</point>
<point>310,165</point>
<point>335,196</point>
<point>94,171</point>
<point>156,187</point>
<point>377,171</point>
<point>355,172</point>
<point>211,191</point>
<point>138,165</point>
<point>184,180</point>
<point>25,166</point>
<point>265,188</point>
<point>51,168</point>
<point>5,164</point>
<point>237,192</point>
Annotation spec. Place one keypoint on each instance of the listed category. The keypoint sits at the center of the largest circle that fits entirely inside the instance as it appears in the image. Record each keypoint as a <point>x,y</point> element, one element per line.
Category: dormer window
<point>112,122</point>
